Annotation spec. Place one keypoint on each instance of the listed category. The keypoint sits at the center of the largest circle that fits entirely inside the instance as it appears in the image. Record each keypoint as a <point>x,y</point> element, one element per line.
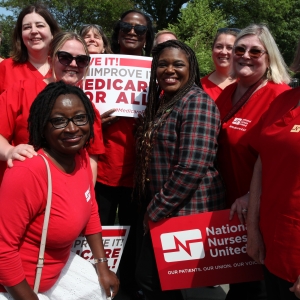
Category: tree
<point>197,26</point>
<point>162,12</point>
<point>281,16</point>
<point>7,24</point>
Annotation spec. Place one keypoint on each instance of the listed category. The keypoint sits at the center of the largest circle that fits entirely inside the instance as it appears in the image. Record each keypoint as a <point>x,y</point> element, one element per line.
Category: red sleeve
<point>96,146</point>
<point>18,207</point>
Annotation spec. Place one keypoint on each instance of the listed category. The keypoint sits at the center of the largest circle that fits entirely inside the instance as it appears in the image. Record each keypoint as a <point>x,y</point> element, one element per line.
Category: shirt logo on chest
<point>87,195</point>
<point>296,128</point>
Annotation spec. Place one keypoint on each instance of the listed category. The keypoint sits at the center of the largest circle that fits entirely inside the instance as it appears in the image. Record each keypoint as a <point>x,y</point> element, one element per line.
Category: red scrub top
<point>278,146</point>
<point>211,88</point>
<point>236,158</point>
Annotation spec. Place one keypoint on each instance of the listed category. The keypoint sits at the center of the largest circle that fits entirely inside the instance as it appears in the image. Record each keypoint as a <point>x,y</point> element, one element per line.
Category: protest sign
<point>118,81</point>
<point>114,240</point>
<point>202,250</point>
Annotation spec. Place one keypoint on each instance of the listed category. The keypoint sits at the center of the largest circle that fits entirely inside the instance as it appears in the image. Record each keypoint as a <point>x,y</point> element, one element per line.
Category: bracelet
<point>100,260</point>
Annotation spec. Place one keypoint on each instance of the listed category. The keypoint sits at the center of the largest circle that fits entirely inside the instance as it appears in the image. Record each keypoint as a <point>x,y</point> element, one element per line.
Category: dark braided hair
<point>149,35</point>
<point>42,106</point>
<point>159,109</point>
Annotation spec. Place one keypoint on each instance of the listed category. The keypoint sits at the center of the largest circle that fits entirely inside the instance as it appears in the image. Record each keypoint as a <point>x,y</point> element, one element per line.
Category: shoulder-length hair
<point>295,67</point>
<point>149,35</point>
<point>19,51</point>
<point>278,71</point>
<point>98,29</point>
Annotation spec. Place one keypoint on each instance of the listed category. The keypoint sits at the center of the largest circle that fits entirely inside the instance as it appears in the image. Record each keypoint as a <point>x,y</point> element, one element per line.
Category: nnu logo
<point>296,128</point>
<point>182,245</point>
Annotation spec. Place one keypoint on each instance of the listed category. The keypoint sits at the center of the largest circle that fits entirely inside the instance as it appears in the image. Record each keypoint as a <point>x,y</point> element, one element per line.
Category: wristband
<point>100,260</point>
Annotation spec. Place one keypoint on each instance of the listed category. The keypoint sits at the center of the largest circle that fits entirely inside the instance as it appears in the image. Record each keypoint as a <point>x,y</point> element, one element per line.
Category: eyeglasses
<point>138,29</point>
<point>84,26</point>
<point>65,58</point>
<point>253,53</point>
<point>226,29</point>
<point>62,122</point>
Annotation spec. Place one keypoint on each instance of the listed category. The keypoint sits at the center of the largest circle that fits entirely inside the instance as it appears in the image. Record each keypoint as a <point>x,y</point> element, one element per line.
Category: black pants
<point>146,273</point>
<point>277,288</point>
<point>110,199</point>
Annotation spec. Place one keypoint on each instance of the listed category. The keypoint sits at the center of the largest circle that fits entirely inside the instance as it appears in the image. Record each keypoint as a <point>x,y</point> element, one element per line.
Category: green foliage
<point>281,16</point>
<point>163,12</point>
<point>197,26</point>
<point>7,24</point>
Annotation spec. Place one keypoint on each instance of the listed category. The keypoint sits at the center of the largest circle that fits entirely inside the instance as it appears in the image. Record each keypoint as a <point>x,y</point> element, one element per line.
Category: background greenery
<point>195,21</point>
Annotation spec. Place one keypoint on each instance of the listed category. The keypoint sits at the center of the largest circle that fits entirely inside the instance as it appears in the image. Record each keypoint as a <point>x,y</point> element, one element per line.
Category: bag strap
<point>40,263</point>
<point>243,100</point>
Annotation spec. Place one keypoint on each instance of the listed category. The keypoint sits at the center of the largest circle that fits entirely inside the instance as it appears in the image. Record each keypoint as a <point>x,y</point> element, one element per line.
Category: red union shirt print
<point>202,250</point>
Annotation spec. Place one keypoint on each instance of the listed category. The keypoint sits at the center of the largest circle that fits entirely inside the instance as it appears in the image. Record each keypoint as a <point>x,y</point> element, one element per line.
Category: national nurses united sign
<point>118,81</point>
<point>202,250</point>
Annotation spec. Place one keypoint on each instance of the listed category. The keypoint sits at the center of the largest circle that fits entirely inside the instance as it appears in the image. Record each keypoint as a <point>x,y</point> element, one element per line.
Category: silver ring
<point>244,210</point>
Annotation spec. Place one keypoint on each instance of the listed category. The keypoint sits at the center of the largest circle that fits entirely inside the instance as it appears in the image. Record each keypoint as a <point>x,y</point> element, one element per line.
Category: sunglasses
<point>138,29</point>
<point>62,122</point>
<point>65,58</point>
<point>226,29</point>
<point>253,53</point>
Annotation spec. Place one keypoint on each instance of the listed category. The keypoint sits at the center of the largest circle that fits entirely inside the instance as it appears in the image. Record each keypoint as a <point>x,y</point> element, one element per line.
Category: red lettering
<point>99,84</point>
<point>129,86</point>
<point>115,86</point>
<point>100,97</point>
<point>89,84</point>
<point>116,253</point>
<point>142,85</point>
<point>98,61</point>
<point>144,99</point>
<point>107,252</point>
<point>83,254</point>
<point>122,98</point>
<point>133,99</point>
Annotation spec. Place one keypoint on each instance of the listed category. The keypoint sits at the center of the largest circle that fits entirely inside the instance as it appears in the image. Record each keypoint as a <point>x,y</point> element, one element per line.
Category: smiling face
<point>172,70</point>
<point>131,43</point>
<point>222,50</point>
<point>72,138</point>
<point>247,68</point>
<point>94,42</point>
<point>71,74</point>
<point>36,33</point>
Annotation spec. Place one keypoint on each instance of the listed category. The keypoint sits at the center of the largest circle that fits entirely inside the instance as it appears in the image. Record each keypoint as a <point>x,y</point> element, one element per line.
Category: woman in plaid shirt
<point>176,152</point>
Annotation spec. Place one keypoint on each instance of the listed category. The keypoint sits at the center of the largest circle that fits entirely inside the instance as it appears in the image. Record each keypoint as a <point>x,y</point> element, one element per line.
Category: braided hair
<point>159,109</point>
<point>42,106</point>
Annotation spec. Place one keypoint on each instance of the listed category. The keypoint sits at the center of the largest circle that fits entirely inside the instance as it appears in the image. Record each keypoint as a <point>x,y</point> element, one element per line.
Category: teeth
<point>71,72</point>
<point>171,80</point>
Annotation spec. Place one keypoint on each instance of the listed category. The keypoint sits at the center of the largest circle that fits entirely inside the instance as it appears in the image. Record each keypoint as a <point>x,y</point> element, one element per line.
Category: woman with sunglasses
<point>215,82</point>
<point>261,75</point>
<point>132,35</point>
<point>95,39</point>
<point>60,126</point>
<point>34,30</point>
<point>69,62</point>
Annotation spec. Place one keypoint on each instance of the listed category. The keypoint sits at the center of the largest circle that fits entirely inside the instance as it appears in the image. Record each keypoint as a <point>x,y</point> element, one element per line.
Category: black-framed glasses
<point>253,52</point>
<point>62,122</point>
<point>84,26</point>
<point>138,29</point>
<point>65,58</point>
<point>227,29</point>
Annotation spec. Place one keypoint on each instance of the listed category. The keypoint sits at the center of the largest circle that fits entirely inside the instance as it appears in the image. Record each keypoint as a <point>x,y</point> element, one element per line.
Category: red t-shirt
<point>11,72</point>
<point>116,166</point>
<point>23,197</point>
<point>210,88</point>
<point>278,146</point>
<point>15,104</point>
<point>236,158</point>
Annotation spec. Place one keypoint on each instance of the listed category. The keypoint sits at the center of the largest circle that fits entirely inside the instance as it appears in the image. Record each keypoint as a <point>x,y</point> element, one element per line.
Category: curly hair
<point>19,51</point>
<point>41,108</point>
<point>158,108</point>
<point>149,35</point>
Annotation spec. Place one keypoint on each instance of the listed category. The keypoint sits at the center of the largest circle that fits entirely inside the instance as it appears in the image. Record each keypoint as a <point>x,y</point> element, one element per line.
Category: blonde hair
<point>277,70</point>
<point>58,41</point>
<point>165,31</point>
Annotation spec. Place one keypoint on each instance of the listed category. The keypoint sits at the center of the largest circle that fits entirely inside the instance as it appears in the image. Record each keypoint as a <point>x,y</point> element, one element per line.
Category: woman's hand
<point>296,288</point>
<point>20,152</point>
<point>255,245</point>
<point>110,282</point>
<point>107,119</point>
<point>240,206</point>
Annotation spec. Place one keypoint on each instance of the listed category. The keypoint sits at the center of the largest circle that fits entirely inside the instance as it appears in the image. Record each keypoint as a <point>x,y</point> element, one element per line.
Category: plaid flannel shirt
<point>182,176</point>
